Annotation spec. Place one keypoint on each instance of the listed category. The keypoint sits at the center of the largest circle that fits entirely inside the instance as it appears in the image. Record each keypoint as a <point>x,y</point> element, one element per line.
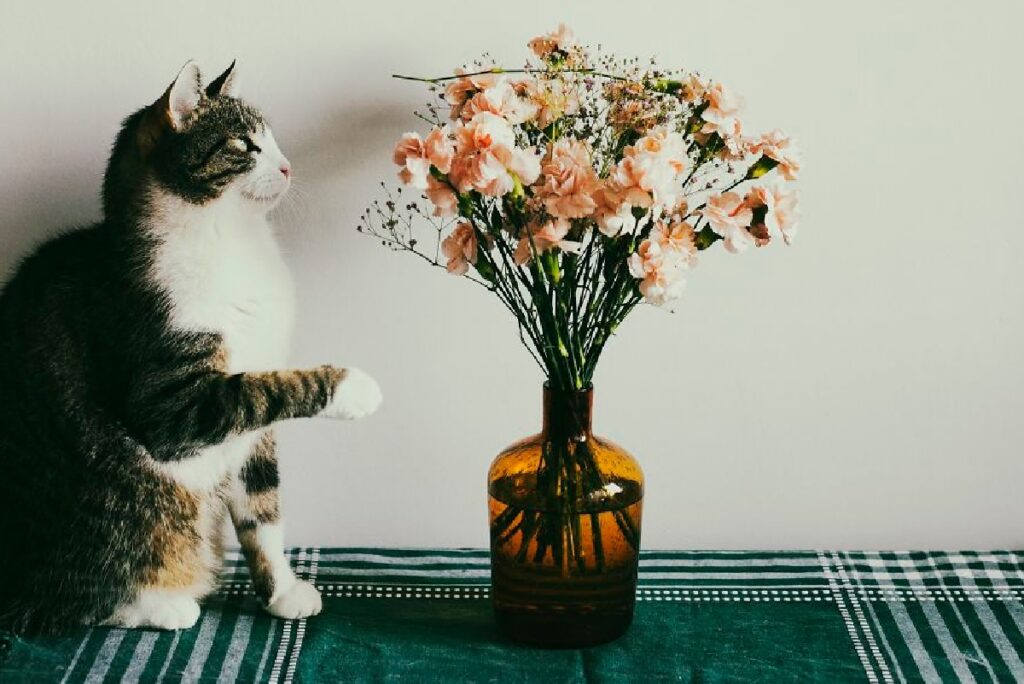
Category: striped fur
<point>139,379</point>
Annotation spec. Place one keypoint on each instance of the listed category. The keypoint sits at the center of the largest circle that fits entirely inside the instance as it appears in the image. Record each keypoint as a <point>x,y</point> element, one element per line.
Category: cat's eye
<point>236,145</point>
<point>250,146</point>
<point>243,144</point>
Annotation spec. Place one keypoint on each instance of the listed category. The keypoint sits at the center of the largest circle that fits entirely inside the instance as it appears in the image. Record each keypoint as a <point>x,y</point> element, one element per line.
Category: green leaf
<point>667,85</point>
<point>550,261</point>
<point>761,167</point>
<point>483,266</point>
<point>705,238</point>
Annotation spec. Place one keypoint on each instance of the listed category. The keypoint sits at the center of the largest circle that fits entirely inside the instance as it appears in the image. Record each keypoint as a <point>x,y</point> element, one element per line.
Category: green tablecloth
<point>702,616</point>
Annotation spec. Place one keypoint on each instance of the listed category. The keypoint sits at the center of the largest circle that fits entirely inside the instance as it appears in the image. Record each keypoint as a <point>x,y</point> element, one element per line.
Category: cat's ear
<point>183,96</point>
<point>173,108</point>
<point>225,84</point>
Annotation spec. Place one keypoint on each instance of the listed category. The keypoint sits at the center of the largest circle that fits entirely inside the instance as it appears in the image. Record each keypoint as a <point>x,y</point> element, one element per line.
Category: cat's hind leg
<point>157,609</point>
<point>255,509</point>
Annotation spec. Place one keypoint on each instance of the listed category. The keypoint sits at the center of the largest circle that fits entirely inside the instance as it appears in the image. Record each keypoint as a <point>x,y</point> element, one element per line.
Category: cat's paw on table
<point>157,609</point>
<point>300,600</point>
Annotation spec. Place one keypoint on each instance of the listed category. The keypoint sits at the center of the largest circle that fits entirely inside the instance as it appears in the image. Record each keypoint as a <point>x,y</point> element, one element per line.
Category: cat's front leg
<point>256,513</point>
<point>178,408</point>
<point>356,395</point>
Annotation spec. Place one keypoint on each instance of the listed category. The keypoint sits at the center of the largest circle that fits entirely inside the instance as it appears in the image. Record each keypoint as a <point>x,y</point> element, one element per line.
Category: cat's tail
<point>28,612</point>
<point>26,608</point>
<point>48,586</point>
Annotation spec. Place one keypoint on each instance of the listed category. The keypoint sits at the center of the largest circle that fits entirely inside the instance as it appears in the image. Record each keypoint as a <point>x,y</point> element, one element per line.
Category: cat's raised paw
<point>157,610</point>
<point>356,396</point>
<point>300,600</point>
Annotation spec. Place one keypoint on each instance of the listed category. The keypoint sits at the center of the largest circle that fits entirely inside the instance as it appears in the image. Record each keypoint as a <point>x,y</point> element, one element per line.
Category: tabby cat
<point>139,381</point>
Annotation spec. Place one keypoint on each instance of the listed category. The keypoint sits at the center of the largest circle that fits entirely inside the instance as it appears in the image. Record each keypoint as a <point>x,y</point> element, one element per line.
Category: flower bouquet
<point>574,189</point>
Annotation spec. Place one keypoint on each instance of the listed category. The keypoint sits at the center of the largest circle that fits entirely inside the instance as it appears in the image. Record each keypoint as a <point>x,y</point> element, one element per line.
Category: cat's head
<point>202,145</point>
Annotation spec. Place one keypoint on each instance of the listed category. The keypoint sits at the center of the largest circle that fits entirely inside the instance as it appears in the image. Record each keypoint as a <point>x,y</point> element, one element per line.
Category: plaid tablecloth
<point>702,616</point>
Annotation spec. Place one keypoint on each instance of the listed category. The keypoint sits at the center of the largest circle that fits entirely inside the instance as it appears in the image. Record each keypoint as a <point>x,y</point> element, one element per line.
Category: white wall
<point>861,389</point>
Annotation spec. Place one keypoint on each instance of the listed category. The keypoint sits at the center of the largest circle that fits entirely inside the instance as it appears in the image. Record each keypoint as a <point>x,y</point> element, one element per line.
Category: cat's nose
<point>286,169</point>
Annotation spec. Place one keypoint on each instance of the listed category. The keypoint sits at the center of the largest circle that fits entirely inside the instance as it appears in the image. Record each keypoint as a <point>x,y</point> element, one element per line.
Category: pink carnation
<point>486,157</point>
<point>416,156</point>
<point>485,132</point>
<point>561,40</point>
<point>649,171</point>
<point>736,144</point>
<point>460,248</point>
<point>723,107</point>
<point>730,217</point>
<point>776,145</point>
<point>553,99</point>
<point>677,238</point>
<point>781,214</point>
<point>441,195</point>
<point>502,99</point>
<point>568,180</point>
<point>721,116</point>
<point>547,236</point>
<point>459,91</point>
<point>613,216</point>
<point>660,271</point>
<point>694,88</point>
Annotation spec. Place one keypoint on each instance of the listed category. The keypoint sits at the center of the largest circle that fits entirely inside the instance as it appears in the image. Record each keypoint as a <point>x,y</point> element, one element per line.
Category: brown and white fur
<point>151,345</point>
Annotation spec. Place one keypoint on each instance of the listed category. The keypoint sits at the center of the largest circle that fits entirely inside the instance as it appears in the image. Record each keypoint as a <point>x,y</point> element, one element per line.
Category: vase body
<point>565,510</point>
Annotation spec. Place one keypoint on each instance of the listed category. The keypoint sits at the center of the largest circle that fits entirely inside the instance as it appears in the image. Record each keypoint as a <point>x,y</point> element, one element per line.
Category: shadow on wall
<point>326,157</point>
<point>330,163</point>
<point>40,205</point>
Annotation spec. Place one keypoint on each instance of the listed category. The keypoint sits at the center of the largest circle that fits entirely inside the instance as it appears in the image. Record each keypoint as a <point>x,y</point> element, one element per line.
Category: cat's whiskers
<point>293,207</point>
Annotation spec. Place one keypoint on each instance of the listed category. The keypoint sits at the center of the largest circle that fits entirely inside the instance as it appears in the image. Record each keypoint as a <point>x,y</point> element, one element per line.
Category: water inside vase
<point>564,569</point>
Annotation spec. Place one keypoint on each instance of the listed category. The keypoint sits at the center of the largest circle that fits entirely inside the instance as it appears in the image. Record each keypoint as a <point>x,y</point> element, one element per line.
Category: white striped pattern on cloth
<point>910,616</point>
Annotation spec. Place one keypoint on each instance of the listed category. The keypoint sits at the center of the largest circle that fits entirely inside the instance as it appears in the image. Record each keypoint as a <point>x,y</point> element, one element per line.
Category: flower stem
<point>499,70</point>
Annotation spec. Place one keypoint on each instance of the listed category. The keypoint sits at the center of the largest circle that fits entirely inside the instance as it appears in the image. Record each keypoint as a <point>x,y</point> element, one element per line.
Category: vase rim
<point>586,389</point>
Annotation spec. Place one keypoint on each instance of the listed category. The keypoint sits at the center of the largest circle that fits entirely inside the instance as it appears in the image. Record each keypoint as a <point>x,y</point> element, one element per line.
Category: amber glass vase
<point>565,530</point>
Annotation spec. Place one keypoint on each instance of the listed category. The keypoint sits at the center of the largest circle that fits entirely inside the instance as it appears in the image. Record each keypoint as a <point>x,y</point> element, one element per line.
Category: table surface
<point>702,616</point>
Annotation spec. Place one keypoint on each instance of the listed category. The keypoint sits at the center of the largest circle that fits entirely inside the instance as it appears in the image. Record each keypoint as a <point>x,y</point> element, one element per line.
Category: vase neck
<point>568,413</point>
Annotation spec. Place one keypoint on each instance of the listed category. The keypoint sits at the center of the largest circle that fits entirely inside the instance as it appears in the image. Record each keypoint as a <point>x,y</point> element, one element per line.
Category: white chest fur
<point>222,271</point>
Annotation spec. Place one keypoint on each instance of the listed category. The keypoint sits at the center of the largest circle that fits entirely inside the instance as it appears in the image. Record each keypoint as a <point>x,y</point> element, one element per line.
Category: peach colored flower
<point>409,154</point>
<point>568,180</point>
<point>736,144</point>
<point>485,132</point>
<point>613,216</point>
<point>416,156</point>
<point>525,163</point>
<point>445,202</point>
<point>635,115</point>
<point>677,238</point>
<point>722,112</point>
<point>486,157</point>
<point>648,173</point>
<point>776,145</point>
<point>549,235</point>
<point>561,40</point>
<point>730,217</point>
<point>694,88</point>
<point>721,100</point>
<point>460,248</point>
<point>439,148</point>
<point>502,99</point>
<point>781,214</point>
<point>459,91</point>
<point>553,98</point>
<point>660,271</point>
